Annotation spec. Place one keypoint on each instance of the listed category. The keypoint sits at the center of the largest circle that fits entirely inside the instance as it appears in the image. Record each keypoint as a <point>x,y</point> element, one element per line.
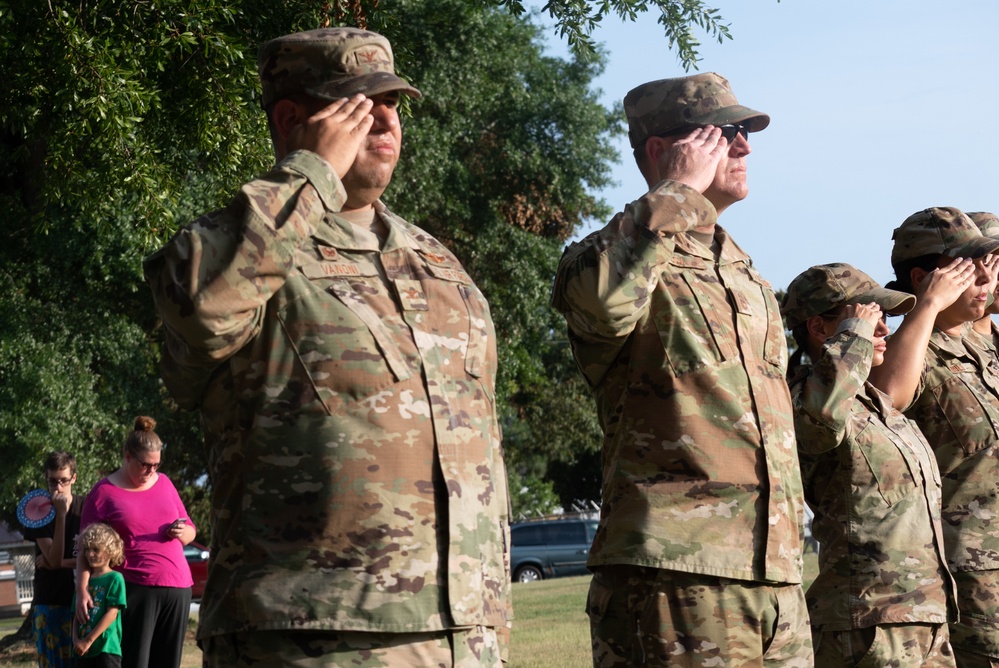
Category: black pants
<point>153,626</point>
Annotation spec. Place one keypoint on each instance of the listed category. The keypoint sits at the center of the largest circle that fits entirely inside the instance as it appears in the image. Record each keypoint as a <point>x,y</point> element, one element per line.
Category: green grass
<point>9,625</point>
<point>550,628</point>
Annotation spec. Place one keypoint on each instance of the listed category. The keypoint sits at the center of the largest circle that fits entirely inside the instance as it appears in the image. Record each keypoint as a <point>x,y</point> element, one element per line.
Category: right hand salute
<point>870,312</point>
<point>899,375</point>
<point>944,285</point>
<point>693,160</point>
<point>336,132</point>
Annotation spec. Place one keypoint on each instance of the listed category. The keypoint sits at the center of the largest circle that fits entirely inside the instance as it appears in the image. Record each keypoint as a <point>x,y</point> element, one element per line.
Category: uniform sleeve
<point>823,402</point>
<point>211,281</point>
<point>920,385</point>
<point>604,282</point>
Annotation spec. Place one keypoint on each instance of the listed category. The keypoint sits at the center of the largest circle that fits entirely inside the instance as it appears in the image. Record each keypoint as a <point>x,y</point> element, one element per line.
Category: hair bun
<point>144,423</point>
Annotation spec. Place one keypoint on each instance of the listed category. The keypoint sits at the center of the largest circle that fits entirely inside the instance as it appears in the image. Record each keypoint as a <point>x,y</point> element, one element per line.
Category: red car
<point>197,558</point>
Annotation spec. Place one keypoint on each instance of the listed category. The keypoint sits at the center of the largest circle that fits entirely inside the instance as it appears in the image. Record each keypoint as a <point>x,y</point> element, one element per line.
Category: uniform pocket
<point>480,337</point>
<point>884,460</point>
<point>959,403</point>
<point>869,640</point>
<point>345,348</point>
<point>695,320</point>
<point>598,599</point>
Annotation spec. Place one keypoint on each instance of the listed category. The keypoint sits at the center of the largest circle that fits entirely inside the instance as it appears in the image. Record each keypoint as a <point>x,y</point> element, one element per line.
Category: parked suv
<point>550,548</point>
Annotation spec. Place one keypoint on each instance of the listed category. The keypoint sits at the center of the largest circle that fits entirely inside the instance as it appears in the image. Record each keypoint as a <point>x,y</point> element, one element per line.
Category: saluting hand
<point>693,160</point>
<point>944,285</point>
<point>869,312</point>
<point>991,264</point>
<point>336,132</point>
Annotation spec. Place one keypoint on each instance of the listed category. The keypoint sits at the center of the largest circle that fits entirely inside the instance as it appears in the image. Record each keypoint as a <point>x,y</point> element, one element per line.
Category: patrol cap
<point>944,230</point>
<point>987,222</point>
<point>700,99</point>
<point>328,63</point>
<point>824,287</point>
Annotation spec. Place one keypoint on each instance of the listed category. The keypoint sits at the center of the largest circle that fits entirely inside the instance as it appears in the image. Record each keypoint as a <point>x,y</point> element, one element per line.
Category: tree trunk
<point>24,634</point>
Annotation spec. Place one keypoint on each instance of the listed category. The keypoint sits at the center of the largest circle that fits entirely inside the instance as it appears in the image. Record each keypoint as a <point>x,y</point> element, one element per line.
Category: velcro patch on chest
<point>958,367</point>
<point>435,258</point>
<point>742,304</point>
<point>411,295</point>
<point>449,274</point>
<point>341,269</point>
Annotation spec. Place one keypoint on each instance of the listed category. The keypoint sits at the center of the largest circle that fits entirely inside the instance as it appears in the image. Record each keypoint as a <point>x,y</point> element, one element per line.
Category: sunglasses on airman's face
<point>728,131</point>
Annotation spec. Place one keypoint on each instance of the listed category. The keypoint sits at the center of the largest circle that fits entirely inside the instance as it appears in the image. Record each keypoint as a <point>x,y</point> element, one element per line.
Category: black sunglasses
<point>728,131</point>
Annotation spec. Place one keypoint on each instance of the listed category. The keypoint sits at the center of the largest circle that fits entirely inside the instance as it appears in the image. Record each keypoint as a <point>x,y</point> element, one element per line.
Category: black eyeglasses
<point>145,466</point>
<point>59,482</point>
<point>728,131</point>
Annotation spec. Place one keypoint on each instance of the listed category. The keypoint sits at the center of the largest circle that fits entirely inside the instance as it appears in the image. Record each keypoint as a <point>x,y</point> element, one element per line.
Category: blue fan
<point>35,509</point>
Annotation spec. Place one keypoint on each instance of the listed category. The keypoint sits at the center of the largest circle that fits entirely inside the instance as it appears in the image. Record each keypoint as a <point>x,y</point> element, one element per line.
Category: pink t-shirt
<point>142,519</point>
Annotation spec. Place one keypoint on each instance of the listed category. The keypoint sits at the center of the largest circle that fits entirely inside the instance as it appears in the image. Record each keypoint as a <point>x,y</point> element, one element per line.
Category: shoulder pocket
<point>884,460</point>
<point>338,350</point>
<point>775,345</point>
<point>968,408</point>
<point>695,323</point>
<point>481,334</point>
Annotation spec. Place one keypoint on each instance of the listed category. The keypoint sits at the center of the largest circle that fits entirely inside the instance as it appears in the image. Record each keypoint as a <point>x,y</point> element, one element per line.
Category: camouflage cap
<point>944,230</point>
<point>701,99</point>
<point>329,63</point>
<point>824,287</point>
<point>987,222</point>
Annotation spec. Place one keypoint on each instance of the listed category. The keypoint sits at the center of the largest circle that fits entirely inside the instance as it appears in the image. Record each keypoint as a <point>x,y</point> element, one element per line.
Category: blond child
<point>98,641</point>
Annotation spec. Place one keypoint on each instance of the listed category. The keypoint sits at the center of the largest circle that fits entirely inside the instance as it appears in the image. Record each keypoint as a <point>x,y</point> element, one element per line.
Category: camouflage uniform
<point>457,648</point>
<point>685,354</point>
<point>957,409</point>
<point>654,617</point>
<point>346,389</point>
<point>872,482</point>
<point>989,344</point>
<point>956,406</point>
<point>686,358</point>
<point>988,223</point>
<point>895,645</point>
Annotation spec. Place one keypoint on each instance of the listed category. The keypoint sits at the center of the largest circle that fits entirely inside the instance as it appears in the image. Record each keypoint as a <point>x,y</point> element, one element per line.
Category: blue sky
<point>878,109</point>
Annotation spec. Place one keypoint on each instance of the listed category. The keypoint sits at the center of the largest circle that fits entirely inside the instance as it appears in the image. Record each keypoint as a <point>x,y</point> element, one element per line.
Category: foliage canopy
<point>121,121</point>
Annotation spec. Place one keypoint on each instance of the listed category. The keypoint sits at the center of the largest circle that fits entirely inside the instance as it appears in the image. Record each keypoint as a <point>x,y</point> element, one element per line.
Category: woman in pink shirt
<point>143,506</point>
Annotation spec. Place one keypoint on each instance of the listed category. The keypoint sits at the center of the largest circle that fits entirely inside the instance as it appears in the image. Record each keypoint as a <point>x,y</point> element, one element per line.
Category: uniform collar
<point>877,400</point>
<point>953,345</point>
<point>730,251</point>
<point>341,233</point>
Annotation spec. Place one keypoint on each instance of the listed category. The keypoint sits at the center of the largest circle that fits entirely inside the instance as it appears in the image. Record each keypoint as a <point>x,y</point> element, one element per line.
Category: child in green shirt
<point>98,641</point>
